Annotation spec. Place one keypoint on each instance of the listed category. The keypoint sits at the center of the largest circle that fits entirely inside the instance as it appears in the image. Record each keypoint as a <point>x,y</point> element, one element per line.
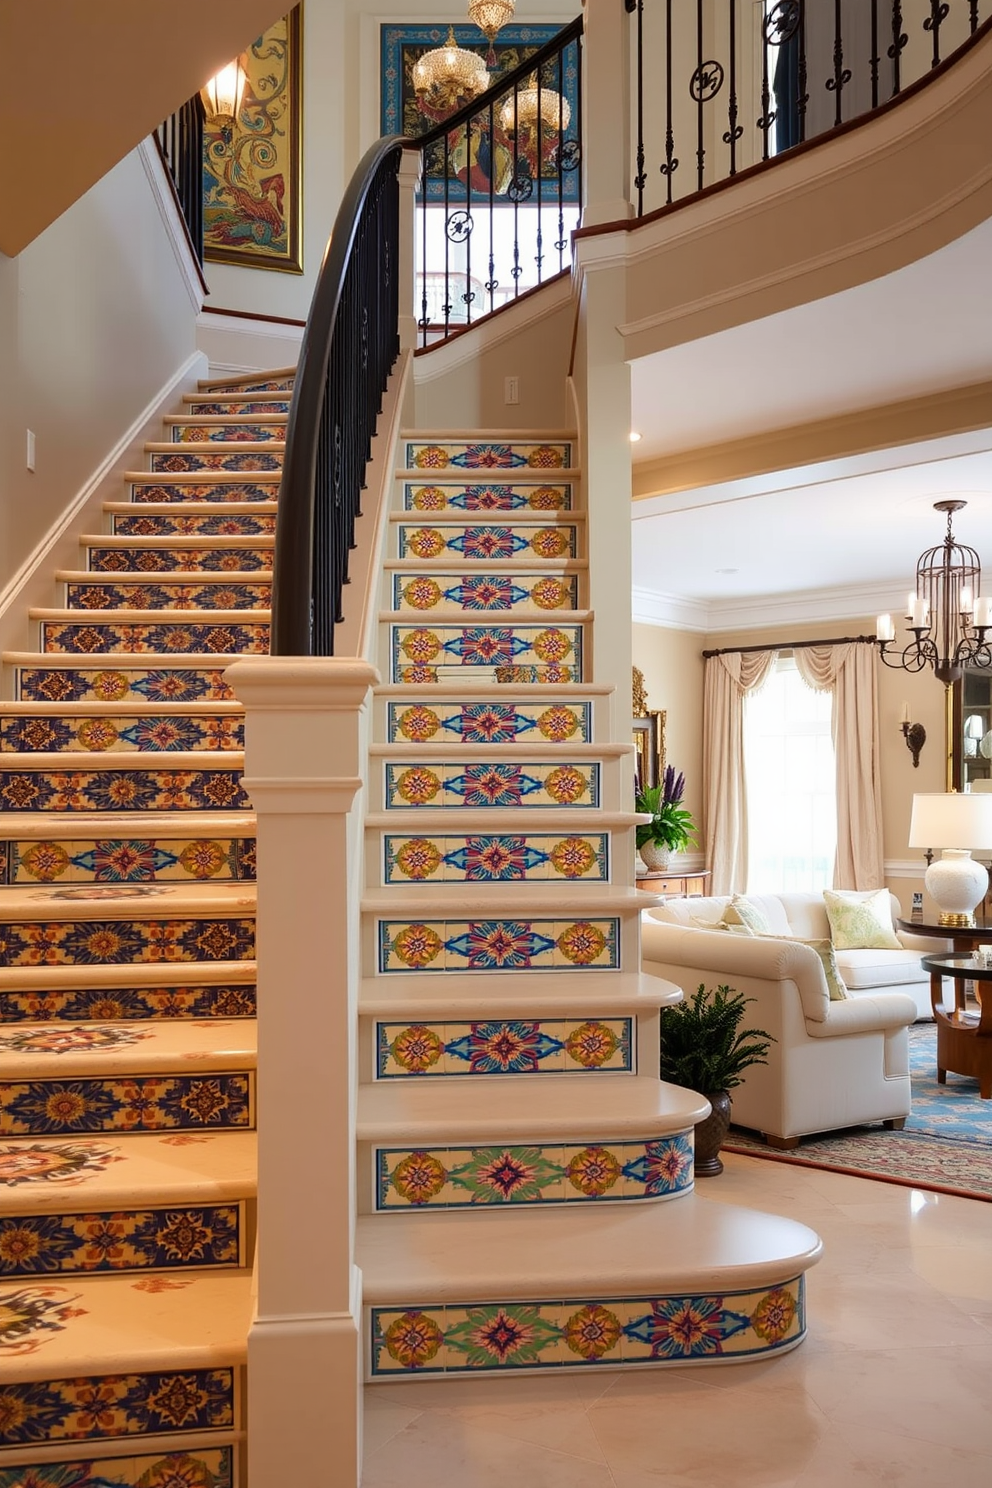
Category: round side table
<point>964,1034</point>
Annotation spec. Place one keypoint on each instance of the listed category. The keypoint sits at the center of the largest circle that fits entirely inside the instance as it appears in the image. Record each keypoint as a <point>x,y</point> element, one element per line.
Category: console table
<point>676,885</point>
<point>962,937</point>
<point>964,1035</point>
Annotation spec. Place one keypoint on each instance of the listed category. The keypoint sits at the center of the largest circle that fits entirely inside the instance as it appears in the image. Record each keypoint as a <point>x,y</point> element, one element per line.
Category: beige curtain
<point>726,680</point>
<point>849,673</point>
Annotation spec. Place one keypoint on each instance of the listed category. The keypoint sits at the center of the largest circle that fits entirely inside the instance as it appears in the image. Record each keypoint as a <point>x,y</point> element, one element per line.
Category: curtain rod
<point>792,645</point>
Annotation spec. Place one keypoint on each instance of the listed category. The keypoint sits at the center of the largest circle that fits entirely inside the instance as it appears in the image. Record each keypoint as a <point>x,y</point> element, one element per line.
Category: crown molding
<point>649,607</point>
<point>755,612</point>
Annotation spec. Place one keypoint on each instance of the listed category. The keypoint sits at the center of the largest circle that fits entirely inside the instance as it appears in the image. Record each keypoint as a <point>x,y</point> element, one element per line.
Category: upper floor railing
<point>180,142</point>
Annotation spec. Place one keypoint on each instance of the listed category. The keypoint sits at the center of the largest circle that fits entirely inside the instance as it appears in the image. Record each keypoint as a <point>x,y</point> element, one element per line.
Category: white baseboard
<point>32,583</point>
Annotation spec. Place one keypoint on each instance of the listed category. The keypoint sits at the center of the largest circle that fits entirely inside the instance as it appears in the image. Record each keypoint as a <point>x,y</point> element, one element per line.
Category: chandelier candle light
<point>491,16</point>
<point>949,619</point>
<point>957,823</point>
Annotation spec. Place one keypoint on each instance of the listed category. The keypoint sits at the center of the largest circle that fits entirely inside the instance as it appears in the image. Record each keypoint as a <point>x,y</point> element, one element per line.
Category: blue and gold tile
<point>110,559</point>
<point>500,1046</point>
<point>447,648</point>
<point>253,433</point>
<point>482,542</point>
<point>176,1237</point>
<point>135,1103</point>
<point>490,722</point>
<point>206,1467</point>
<point>175,462</point>
<point>484,593</point>
<point>110,860</point>
<point>88,638</point>
<point>497,945</point>
<point>487,454</point>
<point>236,407</point>
<point>180,594</point>
<point>534,785</point>
<point>166,733</point>
<point>152,491</point>
<point>117,1004</point>
<point>123,941</point>
<point>486,496</point>
<point>199,524</point>
<point>186,684</point>
<point>133,789</point>
<point>160,1403</point>
<point>500,857</point>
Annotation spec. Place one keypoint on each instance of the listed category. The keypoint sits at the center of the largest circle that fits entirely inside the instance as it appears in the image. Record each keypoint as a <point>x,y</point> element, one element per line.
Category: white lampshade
<point>956,823</point>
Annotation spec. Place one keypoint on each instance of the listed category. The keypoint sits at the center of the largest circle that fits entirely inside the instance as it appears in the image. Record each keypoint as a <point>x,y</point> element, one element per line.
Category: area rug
<point>946,1146</point>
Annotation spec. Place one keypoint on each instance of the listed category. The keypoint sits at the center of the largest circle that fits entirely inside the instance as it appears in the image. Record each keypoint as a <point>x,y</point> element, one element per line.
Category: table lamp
<point>956,823</point>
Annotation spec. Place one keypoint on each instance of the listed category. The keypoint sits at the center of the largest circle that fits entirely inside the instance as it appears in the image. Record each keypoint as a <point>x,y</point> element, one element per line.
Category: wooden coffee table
<point>964,1035</point>
<point>963,938</point>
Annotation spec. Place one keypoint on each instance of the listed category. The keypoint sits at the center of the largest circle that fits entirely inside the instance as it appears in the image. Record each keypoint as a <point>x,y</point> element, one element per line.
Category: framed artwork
<point>649,736</point>
<point>252,186</point>
<point>480,160</point>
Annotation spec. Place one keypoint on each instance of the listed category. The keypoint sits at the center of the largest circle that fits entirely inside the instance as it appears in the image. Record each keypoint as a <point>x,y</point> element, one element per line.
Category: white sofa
<point>833,1064</point>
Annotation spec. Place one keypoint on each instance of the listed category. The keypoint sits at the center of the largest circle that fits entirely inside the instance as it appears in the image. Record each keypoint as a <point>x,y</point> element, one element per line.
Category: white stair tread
<point>454,569</point>
<point>506,1108</point>
<point>122,1328</point>
<point>48,825</point>
<point>476,617</point>
<point>520,475</point>
<point>166,901</point>
<point>161,576</point>
<point>186,1046</point>
<point>123,661</point>
<point>556,518</point>
<point>150,617</point>
<point>464,996</point>
<point>138,974</point>
<point>207,420</point>
<point>179,761</point>
<point>444,692</point>
<point>202,708</point>
<point>209,447</point>
<point>190,508</point>
<point>202,477</point>
<point>190,542</point>
<point>243,380</point>
<point>523,751</point>
<point>489,436</point>
<point>540,897</point>
<point>690,1245</point>
<point>470,820</point>
<point>146,1168</point>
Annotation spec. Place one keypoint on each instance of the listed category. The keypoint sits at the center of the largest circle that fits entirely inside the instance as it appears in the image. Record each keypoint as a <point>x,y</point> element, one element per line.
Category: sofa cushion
<point>863,970</point>
<point>861,921</point>
<point>836,990</point>
<point>744,911</point>
<point>688,911</point>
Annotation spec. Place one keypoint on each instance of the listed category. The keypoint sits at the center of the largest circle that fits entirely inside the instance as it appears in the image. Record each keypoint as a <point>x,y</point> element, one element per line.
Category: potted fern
<point>671,828</point>
<point>704,1048</point>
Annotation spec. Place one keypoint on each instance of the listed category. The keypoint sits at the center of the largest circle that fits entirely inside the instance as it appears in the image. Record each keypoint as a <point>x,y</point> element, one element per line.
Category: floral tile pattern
<point>69,1040</point>
<point>485,592</point>
<point>27,1316</point>
<point>166,462</point>
<point>489,722</point>
<point>93,595</point>
<point>91,1004</point>
<point>534,785</point>
<point>161,1239</point>
<point>446,649</point>
<point>229,433</point>
<point>120,1104</point>
<point>232,524</point>
<point>84,638</point>
<point>498,945</point>
<point>496,1338</point>
<point>122,790</point>
<point>223,491</point>
<point>486,496</point>
<point>116,942</point>
<point>128,860</point>
<point>155,685</point>
<point>481,544</point>
<point>497,1046</point>
<point>180,560</point>
<point>236,407</point>
<point>116,1405</point>
<point>565,1173</point>
<point>65,1163</point>
<point>44,734</point>
<point>496,858</point>
<point>210,1468</point>
<point>487,455</point>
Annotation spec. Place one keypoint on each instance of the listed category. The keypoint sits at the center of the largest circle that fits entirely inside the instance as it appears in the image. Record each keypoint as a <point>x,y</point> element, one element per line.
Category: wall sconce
<point>223,94</point>
<point>915,735</point>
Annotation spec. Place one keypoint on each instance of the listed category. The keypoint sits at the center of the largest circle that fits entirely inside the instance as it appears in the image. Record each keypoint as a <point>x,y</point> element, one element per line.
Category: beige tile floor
<point>893,1385</point>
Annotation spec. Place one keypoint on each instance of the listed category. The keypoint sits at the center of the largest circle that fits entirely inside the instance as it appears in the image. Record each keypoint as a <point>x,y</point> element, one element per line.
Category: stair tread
<point>202,708</point>
<point>489,436</point>
<point>555,518</point>
<point>145,1168</point>
<point>437,820</point>
<point>123,1327</point>
<point>462,995</point>
<point>506,1108</point>
<point>178,1045</point>
<point>538,897</point>
<point>169,901</point>
<point>152,542</point>
<point>445,691</point>
<point>126,759</point>
<point>452,568</point>
<point>692,1244</point>
<point>218,576</point>
<point>138,974</point>
<point>153,617</point>
<point>245,379</point>
<point>201,420</point>
<point>523,752</point>
<point>160,824</point>
<point>209,447</point>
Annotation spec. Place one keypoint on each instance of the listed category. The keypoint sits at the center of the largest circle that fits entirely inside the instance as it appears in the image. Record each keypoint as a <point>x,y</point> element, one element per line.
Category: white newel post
<point>307,719</point>
<point>606,181</point>
<point>409,180</point>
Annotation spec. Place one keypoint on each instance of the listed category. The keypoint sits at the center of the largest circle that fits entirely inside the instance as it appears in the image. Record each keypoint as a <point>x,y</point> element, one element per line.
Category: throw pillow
<point>836,988</point>
<point>741,911</point>
<point>724,924</point>
<point>861,923</point>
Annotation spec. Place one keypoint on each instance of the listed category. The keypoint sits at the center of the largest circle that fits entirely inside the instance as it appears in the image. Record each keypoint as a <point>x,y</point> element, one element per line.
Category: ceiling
<point>841,538</point>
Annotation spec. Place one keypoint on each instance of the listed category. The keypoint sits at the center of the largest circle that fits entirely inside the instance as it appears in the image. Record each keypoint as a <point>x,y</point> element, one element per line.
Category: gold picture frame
<point>649,736</point>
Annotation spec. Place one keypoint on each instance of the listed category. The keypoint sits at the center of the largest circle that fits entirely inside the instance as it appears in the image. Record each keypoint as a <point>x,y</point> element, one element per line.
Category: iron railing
<point>180,143</point>
<point>349,347</point>
<point>721,85</point>
<point>500,191</point>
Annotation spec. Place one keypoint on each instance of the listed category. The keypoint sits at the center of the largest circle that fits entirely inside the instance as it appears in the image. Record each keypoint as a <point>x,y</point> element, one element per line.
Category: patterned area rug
<point>946,1146</point>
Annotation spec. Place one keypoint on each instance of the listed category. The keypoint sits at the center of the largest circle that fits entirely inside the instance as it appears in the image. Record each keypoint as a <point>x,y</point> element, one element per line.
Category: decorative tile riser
<point>520,1173</point>
<point>109,1407</point>
<point>159,525</point>
<point>189,684</point>
<point>213,1467</point>
<point>486,496</point>
<point>83,638</point>
<point>118,1004</point>
<point>172,1238</point>
<point>263,385</point>
<point>168,462</point>
<point>482,542</point>
<point>161,734</point>
<point>528,785</point>
<point>123,942</point>
<point>493,646</point>
<point>484,593</point>
<point>234,409</point>
<point>131,1103</point>
<point>486,454</point>
<point>510,722</point>
<point>228,433</point>
<point>525,1047</point>
<point>179,560</point>
<point>497,945</point>
<point>122,790</point>
<point>177,596</point>
<point>582,1332</point>
<point>130,860</point>
<point>147,492</point>
<point>496,858</point>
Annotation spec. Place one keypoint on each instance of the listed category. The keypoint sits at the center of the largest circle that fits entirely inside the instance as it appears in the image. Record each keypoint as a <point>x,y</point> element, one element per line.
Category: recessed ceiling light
<point>634,436</point>
<point>728,570</point>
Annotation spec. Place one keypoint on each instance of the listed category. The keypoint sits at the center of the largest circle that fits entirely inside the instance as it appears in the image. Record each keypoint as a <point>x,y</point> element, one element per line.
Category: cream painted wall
<point>673,676</point>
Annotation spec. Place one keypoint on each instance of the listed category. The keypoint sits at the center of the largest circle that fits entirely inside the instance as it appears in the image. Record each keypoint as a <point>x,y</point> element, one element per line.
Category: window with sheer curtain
<point>790,777</point>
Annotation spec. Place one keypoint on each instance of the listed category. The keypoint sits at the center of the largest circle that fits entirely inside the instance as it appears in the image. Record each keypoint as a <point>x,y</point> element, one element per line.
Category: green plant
<point>702,1046</point>
<point>671,825</point>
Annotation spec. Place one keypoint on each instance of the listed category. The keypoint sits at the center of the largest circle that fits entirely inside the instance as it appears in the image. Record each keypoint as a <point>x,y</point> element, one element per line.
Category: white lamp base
<point>956,884</point>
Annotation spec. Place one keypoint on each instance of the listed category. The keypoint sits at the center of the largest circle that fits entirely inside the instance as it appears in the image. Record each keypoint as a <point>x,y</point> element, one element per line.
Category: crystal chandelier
<point>491,16</point>
<point>949,621</point>
<point>521,110</point>
<point>448,77</point>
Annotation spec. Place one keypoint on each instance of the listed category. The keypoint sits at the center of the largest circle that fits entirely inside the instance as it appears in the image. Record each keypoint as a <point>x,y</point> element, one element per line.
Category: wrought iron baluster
<point>696,92</point>
<point>734,130</point>
<point>469,294</point>
<point>560,244</point>
<point>899,42</point>
<point>802,97</point>
<point>671,164</point>
<point>842,74</point>
<point>938,15</point>
<point>873,63</point>
<point>767,116</point>
<point>640,177</point>
<point>492,282</point>
<point>973,16</point>
<point>446,307</point>
<point>424,198</point>
<point>539,173</point>
<point>514,192</point>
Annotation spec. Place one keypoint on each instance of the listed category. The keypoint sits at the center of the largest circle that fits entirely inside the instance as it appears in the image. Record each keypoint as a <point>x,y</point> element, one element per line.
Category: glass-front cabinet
<point>971,731</point>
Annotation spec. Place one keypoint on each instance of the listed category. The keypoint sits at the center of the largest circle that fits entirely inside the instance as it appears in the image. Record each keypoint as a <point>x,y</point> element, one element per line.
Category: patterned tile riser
<point>490,785</point>
<point>503,721</point>
<point>124,941</point>
<point>111,560</point>
<point>234,409</point>
<point>179,461</point>
<point>482,542</point>
<point>514,1337</point>
<point>527,1173</point>
<point>228,433</point>
<point>138,859</point>
<point>177,1237</point>
<point>66,789</point>
<point>119,1004</point>
<point>112,1407</point>
<point>219,637</point>
<point>215,1101</point>
<point>99,596</point>
<point>212,1467</point>
<point>507,946</point>
<point>486,454</point>
<point>151,492</point>
<point>157,734</point>
<point>158,524</point>
<point>153,684</point>
<point>486,496</point>
<point>447,649</point>
<point>523,1047</point>
<point>495,858</point>
<point>483,594</point>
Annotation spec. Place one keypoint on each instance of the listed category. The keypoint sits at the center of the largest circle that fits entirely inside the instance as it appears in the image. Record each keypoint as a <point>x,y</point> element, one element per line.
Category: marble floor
<point>893,1385</point>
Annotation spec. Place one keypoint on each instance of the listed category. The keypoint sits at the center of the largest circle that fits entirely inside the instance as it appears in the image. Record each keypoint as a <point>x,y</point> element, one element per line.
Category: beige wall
<point>673,676</point>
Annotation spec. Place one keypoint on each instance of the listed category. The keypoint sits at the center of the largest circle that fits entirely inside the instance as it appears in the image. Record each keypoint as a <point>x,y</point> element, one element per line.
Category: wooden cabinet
<point>676,885</point>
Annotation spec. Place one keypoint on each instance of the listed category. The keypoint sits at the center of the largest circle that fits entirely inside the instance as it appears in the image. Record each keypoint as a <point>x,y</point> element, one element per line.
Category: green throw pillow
<point>738,929</point>
<point>836,989</point>
<point>861,924</point>
<point>741,911</point>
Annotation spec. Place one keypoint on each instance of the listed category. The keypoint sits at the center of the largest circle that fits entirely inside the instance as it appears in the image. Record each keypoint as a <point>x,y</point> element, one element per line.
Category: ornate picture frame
<point>648,735</point>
